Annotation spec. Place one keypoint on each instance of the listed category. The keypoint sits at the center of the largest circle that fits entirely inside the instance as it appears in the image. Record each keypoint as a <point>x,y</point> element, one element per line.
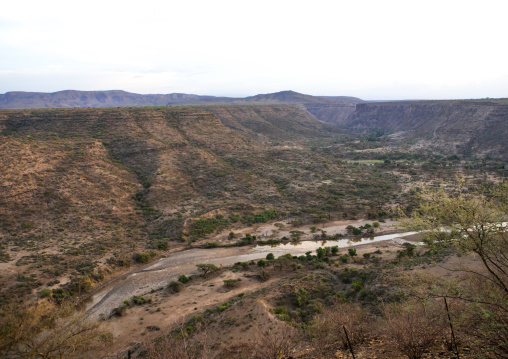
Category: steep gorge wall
<point>330,113</point>
<point>469,128</point>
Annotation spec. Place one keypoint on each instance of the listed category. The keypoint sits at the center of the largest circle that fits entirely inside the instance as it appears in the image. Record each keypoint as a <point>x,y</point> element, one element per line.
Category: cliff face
<point>469,128</point>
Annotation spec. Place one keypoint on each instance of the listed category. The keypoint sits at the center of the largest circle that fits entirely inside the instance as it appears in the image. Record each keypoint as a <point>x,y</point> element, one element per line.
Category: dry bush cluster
<point>43,330</point>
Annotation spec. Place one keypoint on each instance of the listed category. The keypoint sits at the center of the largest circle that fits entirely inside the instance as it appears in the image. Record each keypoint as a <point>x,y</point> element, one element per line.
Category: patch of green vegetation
<point>140,300</point>
<point>261,217</point>
<point>202,227</point>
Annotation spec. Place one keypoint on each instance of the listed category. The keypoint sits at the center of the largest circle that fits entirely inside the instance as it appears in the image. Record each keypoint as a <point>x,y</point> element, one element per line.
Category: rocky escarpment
<point>469,127</point>
<point>326,109</point>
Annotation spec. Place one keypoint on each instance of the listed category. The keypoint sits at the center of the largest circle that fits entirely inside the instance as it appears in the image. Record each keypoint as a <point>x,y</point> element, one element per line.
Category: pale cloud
<point>369,49</point>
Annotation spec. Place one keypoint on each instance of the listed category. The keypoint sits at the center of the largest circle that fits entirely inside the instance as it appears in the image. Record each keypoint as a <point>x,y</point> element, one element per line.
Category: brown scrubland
<point>91,197</point>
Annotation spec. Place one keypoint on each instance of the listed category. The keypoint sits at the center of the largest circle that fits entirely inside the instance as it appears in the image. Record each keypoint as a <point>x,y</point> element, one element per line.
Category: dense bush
<point>144,257</point>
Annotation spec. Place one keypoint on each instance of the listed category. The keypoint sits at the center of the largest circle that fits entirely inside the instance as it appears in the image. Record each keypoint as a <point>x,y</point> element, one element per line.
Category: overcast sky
<point>374,50</point>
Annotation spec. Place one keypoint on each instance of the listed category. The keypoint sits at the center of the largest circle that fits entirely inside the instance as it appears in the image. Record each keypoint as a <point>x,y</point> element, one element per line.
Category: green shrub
<point>352,252</point>
<point>162,246</point>
<point>335,250</point>
<point>119,311</point>
<point>44,293</point>
<point>141,300</point>
<point>270,256</point>
<point>269,241</point>
<point>144,257</point>
<point>261,263</point>
<point>234,218</point>
<point>183,278</point>
<point>362,293</point>
<point>80,285</point>
<point>282,313</point>
<point>175,286</point>
<point>60,295</point>
<point>300,297</point>
<point>263,275</point>
<point>223,307</point>
<point>357,285</point>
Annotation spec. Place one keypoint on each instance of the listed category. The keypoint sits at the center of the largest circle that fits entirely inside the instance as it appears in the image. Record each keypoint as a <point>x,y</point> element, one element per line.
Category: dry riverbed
<point>158,274</point>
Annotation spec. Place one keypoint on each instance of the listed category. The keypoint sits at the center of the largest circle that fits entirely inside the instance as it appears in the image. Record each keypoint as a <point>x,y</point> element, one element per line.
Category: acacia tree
<point>207,268</point>
<point>472,221</point>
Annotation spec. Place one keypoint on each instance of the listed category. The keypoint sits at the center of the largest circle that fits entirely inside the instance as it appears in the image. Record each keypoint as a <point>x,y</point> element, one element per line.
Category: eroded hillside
<point>88,187</point>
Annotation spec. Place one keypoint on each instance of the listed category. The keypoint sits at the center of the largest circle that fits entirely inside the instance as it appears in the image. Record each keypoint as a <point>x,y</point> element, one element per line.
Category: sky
<point>374,50</point>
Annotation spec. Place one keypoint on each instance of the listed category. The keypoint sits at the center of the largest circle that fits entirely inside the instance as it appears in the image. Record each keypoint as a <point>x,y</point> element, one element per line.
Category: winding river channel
<point>160,273</point>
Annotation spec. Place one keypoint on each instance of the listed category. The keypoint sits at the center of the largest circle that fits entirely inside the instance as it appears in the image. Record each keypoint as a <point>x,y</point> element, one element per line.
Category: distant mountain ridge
<point>325,108</point>
<point>112,98</point>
